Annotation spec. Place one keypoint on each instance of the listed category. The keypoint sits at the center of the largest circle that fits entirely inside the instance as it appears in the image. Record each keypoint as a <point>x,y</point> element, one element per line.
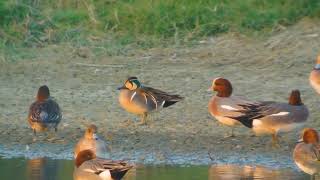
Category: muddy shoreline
<point>85,88</point>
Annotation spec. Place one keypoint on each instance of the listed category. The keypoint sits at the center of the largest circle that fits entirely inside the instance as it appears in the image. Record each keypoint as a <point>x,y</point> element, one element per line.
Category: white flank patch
<point>105,175</point>
<point>256,122</point>
<point>283,113</point>
<point>133,95</point>
<point>163,103</point>
<point>228,107</point>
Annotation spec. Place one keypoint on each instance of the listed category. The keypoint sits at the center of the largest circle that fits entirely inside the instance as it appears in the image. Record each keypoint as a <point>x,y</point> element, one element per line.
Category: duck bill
<point>299,141</point>
<point>122,87</point>
<point>95,136</point>
<point>210,89</point>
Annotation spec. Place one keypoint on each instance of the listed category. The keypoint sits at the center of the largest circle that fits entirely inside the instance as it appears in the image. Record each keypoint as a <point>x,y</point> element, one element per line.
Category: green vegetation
<point>36,23</point>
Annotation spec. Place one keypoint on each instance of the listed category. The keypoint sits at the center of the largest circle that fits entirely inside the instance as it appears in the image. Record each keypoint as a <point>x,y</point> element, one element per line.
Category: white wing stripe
<point>133,95</point>
<point>283,113</point>
<point>229,107</point>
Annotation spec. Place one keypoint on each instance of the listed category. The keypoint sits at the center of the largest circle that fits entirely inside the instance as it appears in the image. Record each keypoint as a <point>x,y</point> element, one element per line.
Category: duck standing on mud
<point>306,154</point>
<point>314,77</point>
<point>141,100</point>
<point>223,106</point>
<point>89,167</point>
<point>91,141</point>
<point>44,113</point>
<point>274,117</point>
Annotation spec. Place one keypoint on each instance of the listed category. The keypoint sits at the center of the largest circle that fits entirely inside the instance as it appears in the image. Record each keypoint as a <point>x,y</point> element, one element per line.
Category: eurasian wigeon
<point>306,154</point>
<point>223,106</point>
<point>89,167</point>
<point>274,117</point>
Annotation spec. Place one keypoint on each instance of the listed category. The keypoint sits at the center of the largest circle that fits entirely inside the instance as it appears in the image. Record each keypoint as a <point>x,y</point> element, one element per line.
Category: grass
<point>145,23</point>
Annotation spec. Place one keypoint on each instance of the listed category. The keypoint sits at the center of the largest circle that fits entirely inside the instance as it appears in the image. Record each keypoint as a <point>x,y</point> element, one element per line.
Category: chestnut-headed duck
<point>223,106</point>
<point>306,154</point>
<point>89,167</point>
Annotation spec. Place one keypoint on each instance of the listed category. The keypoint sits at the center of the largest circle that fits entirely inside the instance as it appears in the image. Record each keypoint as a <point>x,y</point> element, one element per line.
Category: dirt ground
<point>85,88</point>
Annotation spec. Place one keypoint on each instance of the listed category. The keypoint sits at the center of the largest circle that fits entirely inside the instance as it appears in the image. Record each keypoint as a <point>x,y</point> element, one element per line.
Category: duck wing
<point>161,98</point>
<point>117,168</point>
<point>45,112</point>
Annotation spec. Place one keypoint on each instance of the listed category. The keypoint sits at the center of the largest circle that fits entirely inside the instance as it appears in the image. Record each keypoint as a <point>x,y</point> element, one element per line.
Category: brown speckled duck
<point>89,167</point>
<point>138,99</point>
<point>44,113</point>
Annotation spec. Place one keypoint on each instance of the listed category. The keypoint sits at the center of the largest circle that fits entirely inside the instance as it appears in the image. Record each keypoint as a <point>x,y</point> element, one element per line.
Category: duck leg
<point>275,140</point>
<point>34,139</point>
<point>230,135</point>
<point>144,119</point>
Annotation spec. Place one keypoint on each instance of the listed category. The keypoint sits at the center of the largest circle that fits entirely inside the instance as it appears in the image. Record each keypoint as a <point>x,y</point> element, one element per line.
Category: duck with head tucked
<point>141,100</point>
<point>306,154</point>
<point>91,141</point>
<point>89,167</point>
<point>223,106</point>
<point>274,117</point>
<point>45,112</point>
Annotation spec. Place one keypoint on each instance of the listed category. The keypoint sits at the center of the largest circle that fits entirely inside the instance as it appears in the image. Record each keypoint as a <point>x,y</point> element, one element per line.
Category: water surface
<point>49,169</point>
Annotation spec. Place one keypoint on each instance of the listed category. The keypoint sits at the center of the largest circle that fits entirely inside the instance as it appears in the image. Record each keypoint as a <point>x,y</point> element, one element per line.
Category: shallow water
<point>49,169</point>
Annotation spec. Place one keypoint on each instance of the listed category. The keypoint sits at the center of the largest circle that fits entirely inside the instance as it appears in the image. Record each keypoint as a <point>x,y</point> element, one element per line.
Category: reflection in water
<point>42,169</point>
<point>48,169</point>
<point>235,172</point>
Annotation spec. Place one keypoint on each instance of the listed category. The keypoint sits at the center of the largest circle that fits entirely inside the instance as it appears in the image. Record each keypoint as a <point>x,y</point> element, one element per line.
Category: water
<point>48,169</point>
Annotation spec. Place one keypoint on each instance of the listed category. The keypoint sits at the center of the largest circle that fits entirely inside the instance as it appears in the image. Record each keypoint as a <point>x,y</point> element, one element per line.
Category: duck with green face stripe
<point>138,99</point>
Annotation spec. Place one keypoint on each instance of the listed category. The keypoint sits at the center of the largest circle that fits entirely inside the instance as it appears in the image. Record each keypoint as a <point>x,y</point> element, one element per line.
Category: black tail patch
<point>119,173</point>
<point>250,112</point>
<point>169,103</point>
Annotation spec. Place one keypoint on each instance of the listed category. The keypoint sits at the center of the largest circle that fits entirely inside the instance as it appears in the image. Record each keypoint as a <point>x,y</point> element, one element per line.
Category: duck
<point>44,113</point>
<point>89,167</point>
<point>270,117</point>
<point>306,154</point>
<point>91,141</point>
<point>314,77</point>
<point>141,100</point>
<point>223,105</point>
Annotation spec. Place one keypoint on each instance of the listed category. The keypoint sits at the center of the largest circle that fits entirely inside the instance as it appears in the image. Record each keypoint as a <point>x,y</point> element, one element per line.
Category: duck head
<point>131,83</point>
<point>91,132</point>
<point>222,86</point>
<point>84,156</point>
<point>295,99</point>
<point>43,93</point>
<point>310,136</point>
